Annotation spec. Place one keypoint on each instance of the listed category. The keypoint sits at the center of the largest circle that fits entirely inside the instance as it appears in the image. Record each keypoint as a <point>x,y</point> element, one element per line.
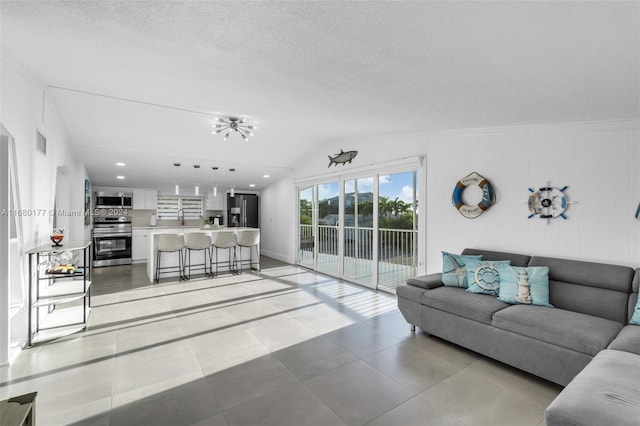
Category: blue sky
<point>399,185</point>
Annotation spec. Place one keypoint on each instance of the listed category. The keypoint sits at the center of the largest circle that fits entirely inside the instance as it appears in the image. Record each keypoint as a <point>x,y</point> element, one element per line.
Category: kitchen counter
<point>171,259</point>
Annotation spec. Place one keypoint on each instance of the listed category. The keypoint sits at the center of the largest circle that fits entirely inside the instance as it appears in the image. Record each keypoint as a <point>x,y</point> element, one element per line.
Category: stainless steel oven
<point>114,200</point>
<point>112,240</point>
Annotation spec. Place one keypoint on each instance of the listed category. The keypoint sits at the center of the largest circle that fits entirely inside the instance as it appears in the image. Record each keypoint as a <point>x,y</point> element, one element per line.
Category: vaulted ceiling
<point>310,72</point>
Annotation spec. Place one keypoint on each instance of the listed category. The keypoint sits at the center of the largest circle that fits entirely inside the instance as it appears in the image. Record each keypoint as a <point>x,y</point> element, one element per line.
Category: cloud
<point>406,194</point>
<point>327,190</point>
<point>384,179</point>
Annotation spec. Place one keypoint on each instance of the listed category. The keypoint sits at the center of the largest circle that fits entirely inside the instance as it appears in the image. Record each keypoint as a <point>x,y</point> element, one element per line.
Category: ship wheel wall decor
<point>548,202</point>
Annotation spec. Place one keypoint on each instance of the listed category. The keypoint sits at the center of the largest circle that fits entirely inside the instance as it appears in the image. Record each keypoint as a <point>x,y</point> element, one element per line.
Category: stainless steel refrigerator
<point>242,211</point>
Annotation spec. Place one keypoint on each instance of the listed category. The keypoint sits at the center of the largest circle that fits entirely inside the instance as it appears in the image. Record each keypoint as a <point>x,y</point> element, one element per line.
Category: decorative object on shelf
<point>488,195</point>
<point>342,157</point>
<point>548,202</point>
<point>234,124</point>
<point>57,235</point>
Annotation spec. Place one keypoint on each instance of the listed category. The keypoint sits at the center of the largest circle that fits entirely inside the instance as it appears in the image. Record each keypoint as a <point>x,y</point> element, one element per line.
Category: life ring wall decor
<point>548,202</point>
<point>488,196</point>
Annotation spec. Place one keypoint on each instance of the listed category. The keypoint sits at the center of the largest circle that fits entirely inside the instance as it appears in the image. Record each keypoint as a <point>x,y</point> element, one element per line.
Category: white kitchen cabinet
<point>139,245</point>
<point>145,199</point>
<point>215,203</point>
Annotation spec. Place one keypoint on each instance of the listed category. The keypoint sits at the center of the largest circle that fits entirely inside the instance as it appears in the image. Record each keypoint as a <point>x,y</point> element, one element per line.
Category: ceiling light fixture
<point>197,189</point>
<point>232,191</point>
<point>120,177</point>
<point>265,176</point>
<point>233,124</point>
<point>120,164</point>
<point>177,188</point>
<point>252,185</point>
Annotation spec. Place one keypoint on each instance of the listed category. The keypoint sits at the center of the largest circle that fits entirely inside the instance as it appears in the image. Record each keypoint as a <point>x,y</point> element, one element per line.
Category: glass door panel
<point>328,225</point>
<point>397,229</point>
<point>358,231</point>
<point>306,241</point>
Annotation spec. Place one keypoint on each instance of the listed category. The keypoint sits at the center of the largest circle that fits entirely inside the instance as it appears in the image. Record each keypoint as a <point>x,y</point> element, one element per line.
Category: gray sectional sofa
<point>587,329</point>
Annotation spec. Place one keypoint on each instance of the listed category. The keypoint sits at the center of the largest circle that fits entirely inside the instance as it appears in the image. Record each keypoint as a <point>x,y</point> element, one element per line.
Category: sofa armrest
<point>428,282</point>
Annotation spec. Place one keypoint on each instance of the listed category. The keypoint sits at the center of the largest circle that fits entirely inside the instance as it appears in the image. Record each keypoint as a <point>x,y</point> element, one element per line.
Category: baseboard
<point>277,256</point>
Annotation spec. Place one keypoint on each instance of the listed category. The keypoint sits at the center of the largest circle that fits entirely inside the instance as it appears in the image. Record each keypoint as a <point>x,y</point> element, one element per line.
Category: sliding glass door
<point>358,259</point>
<point>363,229</point>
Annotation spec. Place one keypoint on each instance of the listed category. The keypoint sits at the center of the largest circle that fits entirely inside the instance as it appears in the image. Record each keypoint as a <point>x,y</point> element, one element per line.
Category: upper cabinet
<point>215,203</point>
<point>145,199</point>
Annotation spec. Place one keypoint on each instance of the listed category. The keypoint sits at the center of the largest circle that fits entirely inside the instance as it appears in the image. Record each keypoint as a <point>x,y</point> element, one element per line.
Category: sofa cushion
<point>477,307</point>
<point>628,340</point>
<point>426,281</point>
<point>454,272</point>
<point>515,259</point>
<point>571,330</point>
<point>483,276</point>
<point>521,285</point>
<point>590,288</point>
<point>604,393</point>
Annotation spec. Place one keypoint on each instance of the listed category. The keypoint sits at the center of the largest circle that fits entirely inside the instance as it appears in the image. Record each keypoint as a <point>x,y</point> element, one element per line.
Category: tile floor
<point>285,346</point>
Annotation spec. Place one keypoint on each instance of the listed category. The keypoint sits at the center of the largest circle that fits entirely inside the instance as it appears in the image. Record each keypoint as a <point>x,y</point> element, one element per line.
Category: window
<point>168,207</point>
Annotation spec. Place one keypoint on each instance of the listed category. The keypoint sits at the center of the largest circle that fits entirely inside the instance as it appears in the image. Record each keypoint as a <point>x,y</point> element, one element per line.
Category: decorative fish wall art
<point>343,157</point>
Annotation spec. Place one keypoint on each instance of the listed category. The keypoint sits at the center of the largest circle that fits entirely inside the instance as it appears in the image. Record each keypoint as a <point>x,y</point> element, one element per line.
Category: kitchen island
<point>197,257</point>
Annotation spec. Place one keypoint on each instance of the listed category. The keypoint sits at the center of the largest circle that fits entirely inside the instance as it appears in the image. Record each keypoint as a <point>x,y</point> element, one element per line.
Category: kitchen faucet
<point>181,217</point>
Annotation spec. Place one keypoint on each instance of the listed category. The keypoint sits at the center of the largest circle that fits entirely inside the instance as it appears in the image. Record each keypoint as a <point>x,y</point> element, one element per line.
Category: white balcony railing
<point>397,253</point>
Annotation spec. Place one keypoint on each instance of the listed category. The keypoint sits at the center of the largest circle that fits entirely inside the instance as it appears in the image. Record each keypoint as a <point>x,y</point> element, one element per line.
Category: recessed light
<point>214,167</point>
<point>252,185</point>
<point>119,177</point>
<point>232,169</point>
<point>120,164</point>
<point>196,166</point>
<point>265,176</point>
<point>176,164</point>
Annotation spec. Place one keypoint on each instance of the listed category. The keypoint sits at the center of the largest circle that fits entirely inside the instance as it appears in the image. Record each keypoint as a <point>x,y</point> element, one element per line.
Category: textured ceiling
<point>310,72</point>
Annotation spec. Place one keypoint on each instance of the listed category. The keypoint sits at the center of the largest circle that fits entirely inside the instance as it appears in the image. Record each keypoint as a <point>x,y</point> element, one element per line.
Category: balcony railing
<point>397,253</point>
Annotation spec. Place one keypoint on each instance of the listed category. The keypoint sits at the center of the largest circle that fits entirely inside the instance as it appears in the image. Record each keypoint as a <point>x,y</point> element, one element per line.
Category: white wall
<point>23,109</point>
<point>600,162</point>
<point>22,112</point>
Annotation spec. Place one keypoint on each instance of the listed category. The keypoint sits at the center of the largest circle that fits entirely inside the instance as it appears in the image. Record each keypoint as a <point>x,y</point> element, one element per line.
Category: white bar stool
<point>226,240</point>
<point>249,238</point>
<point>169,243</point>
<point>199,241</point>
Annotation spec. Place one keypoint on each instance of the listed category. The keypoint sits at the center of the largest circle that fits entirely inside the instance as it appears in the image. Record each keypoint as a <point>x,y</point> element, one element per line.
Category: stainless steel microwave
<point>111,200</point>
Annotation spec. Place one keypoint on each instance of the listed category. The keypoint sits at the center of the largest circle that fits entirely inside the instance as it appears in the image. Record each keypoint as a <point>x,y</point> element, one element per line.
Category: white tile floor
<point>285,346</point>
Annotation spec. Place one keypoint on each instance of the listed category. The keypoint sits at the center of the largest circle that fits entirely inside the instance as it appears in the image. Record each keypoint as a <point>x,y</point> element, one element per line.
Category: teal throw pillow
<point>527,286</point>
<point>635,319</point>
<point>454,272</point>
<point>483,276</point>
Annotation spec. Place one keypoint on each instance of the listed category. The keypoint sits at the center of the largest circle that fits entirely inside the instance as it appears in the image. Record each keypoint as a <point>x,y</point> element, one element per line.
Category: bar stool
<point>249,238</point>
<point>199,241</point>
<point>169,243</point>
<point>226,240</point>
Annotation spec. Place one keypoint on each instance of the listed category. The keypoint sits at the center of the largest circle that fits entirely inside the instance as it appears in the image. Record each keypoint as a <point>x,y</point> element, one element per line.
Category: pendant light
<point>215,185</point>
<point>177,188</point>
<point>232,191</point>
<point>197,189</point>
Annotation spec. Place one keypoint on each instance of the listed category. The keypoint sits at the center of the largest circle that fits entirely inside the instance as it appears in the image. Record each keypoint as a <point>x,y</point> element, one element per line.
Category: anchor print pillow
<point>520,285</point>
<point>454,272</point>
<point>483,276</point>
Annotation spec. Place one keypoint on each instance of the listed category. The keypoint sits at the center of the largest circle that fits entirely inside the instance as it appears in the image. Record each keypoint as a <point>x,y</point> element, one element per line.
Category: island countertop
<point>171,259</point>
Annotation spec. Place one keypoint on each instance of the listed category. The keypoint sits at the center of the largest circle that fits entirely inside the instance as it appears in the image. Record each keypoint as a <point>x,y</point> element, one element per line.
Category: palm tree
<point>383,206</point>
<point>397,206</point>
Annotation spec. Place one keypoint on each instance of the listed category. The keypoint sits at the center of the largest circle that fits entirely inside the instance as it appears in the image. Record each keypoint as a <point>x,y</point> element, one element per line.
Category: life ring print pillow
<point>488,195</point>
